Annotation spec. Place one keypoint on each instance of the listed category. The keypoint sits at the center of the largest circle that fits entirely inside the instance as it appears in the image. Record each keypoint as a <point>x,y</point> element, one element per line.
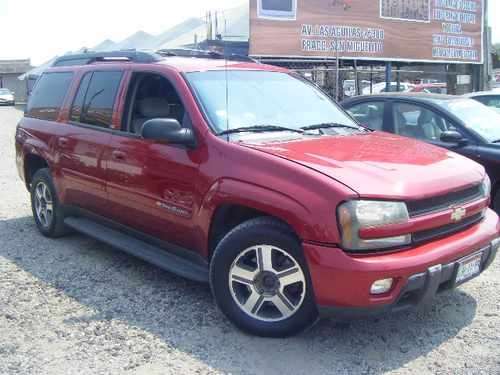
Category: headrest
<point>425,117</point>
<point>153,108</point>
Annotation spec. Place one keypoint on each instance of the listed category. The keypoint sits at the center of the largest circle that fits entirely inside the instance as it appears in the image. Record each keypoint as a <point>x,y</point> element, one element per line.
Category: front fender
<point>307,224</point>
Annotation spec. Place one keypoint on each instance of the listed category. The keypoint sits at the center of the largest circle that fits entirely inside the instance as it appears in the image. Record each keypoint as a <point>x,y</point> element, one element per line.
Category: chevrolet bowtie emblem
<point>458,214</point>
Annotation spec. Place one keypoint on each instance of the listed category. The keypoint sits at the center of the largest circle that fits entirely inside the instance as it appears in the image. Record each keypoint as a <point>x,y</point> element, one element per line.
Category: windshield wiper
<point>330,125</point>
<point>260,129</point>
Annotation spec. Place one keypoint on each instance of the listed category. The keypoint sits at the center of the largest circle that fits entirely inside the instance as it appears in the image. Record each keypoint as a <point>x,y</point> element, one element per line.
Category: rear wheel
<point>260,280</point>
<point>48,215</point>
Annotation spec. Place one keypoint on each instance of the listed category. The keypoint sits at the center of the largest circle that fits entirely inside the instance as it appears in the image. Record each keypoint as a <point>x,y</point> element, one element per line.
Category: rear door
<point>81,149</point>
<point>372,114</point>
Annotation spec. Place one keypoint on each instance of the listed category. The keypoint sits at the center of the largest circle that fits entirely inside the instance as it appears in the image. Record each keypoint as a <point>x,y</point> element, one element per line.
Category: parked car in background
<point>430,88</point>
<point>273,195</point>
<point>459,124</point>
<point>349,86</point>
<point>381,87</point>
<point>488,98</point>
<point>7,97</point>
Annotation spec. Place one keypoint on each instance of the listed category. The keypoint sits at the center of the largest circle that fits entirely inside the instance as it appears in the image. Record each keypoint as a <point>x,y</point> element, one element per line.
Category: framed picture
<point>285,10</point>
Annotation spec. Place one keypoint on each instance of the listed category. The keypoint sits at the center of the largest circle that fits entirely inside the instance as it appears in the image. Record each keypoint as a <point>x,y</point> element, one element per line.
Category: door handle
<point>118,155</point>
<point>63,142</point>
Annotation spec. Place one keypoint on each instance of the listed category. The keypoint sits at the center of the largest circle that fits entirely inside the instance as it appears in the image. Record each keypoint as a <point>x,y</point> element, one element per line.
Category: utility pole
<point>337,74</point>
<point>388,76</point>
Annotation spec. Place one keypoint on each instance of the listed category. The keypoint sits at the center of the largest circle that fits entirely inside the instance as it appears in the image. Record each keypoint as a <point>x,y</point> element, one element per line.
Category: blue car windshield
<point>477,117</point>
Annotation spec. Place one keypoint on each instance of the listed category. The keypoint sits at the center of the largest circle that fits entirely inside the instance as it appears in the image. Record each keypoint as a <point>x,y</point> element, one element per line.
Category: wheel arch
<point>228,216</point>
<point>230,203</point>
<point>33,162</point>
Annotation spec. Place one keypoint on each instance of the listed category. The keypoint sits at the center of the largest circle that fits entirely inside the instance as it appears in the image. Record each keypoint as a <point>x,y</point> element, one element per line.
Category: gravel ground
<point>75,306</point>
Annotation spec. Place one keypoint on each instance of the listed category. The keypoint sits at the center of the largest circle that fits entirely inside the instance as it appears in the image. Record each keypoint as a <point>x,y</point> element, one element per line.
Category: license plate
<point>469,268</point>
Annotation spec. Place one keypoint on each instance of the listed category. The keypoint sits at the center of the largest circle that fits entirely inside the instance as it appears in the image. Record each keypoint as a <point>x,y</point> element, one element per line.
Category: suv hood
<point>381,165</point>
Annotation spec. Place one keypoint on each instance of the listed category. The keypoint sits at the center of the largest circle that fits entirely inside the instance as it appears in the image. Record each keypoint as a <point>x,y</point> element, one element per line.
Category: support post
<point>388,76</point>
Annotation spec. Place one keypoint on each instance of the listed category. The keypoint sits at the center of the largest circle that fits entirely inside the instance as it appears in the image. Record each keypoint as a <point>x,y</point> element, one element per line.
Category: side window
<point>151,96</point>
<point>493,101</point>
<point>76,108</point>
<point>370,114</point>
<point>95,99</point>
<point>418,122</point>
<point>48,96</point>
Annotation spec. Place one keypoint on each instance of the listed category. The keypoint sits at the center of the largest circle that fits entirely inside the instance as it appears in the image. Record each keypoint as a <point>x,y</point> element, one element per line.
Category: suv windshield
<point>4,91</point>
<point>477,117</point>
<point>259,97</point>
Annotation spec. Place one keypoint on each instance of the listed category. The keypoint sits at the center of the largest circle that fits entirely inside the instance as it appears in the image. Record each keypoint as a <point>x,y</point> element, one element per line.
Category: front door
<point>152,187</point>
<point>425,124</point>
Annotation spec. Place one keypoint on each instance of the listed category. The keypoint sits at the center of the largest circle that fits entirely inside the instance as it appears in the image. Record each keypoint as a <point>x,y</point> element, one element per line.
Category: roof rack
<point>91,57</point>
<point>187,52</point>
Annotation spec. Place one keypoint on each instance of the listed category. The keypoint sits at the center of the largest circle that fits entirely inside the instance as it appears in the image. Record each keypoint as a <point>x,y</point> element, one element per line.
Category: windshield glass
<point>4,91</point>
<point>477,117</point>
<point>263,98</point>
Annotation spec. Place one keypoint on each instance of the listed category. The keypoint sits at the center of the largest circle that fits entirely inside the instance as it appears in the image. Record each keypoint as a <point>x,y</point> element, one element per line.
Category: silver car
<point>7,97</point>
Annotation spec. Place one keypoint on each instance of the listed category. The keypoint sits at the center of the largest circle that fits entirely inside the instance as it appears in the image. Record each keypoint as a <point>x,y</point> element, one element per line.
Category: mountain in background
<point>233,24</point>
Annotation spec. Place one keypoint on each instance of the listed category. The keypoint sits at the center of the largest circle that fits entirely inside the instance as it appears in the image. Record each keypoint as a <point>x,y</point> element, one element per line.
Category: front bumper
<point>342,281</point>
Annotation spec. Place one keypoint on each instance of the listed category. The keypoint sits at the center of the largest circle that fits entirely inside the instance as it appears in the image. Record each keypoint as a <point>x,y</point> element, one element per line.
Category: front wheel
<point>260,280</point>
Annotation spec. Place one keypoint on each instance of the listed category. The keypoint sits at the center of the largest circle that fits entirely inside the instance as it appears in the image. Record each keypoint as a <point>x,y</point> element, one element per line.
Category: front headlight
<point>486,187</point>
<point>357,214</point>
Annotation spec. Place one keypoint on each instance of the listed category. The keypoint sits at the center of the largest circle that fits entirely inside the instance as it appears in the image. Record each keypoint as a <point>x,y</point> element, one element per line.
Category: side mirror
<point>169,131</point>
<point>452,136</point>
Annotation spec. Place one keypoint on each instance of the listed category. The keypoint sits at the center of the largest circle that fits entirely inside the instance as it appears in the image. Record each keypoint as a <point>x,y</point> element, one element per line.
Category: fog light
<point>381,286</point>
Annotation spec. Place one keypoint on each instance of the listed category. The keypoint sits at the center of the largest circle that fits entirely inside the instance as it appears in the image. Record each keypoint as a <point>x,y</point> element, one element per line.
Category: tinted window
<point>490,101</point>
<point>418,122</point>
<point>99,99</point>
<point>494,102</point>
<point>76,109</point>
<point>48,95</point>
<point>370,114</point>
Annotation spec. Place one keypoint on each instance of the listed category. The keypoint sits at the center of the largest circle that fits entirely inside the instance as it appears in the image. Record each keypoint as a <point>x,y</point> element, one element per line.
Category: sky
<point>41,29</point>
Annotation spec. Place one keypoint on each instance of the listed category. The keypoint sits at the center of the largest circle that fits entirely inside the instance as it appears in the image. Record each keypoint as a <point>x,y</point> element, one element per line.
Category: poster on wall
<point>447,31</point>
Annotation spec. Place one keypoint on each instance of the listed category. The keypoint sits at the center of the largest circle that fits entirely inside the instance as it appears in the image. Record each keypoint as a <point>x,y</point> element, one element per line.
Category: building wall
<point>11,82</point>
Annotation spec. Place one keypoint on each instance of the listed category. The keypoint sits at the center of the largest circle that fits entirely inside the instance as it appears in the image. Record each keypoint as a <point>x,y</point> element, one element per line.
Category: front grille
<point>446,230</point>
<point>442,202</point>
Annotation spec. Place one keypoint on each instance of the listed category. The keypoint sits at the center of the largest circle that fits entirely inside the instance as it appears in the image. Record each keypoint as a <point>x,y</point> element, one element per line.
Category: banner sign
<point>448,31</point>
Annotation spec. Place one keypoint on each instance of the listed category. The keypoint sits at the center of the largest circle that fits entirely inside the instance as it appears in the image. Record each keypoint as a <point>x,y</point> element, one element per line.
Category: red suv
<point>248,177</point>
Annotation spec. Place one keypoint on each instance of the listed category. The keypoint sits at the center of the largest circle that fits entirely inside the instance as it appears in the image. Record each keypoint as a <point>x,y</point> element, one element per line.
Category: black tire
<point>55,226</point>
<point>496,202</point>
<point>255,232</point>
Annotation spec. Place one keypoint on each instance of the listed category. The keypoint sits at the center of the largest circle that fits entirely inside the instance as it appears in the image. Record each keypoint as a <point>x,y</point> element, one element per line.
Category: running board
<point>140,249</point>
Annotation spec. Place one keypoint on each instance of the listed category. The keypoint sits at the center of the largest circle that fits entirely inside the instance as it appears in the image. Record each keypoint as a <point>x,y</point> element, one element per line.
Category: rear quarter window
<point>48,95</point>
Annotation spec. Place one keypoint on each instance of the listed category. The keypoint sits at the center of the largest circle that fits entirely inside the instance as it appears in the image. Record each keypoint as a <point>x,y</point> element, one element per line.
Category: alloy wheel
<point>267,283</point>
<point>44,206</point>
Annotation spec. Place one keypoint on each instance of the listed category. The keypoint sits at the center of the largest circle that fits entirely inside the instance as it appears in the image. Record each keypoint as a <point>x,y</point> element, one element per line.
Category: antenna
<point>224,45</point>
